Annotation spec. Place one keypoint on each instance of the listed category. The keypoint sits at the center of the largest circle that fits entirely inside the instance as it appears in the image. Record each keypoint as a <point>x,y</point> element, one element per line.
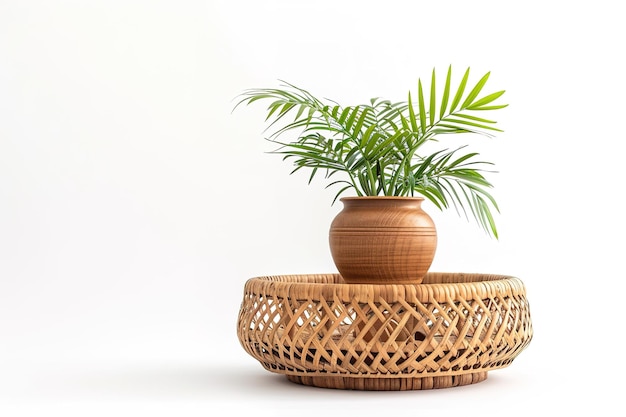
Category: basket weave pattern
<point>450,330</point>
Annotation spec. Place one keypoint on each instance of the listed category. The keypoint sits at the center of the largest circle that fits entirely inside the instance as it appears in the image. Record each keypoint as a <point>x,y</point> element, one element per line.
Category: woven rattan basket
<point>448,331</point>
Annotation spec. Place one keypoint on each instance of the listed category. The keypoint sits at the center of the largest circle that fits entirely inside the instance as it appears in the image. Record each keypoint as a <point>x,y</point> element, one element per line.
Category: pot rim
<point>383,197</point>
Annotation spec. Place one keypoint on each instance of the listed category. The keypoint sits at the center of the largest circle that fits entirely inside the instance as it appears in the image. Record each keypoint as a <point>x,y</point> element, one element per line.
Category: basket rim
<point>460,286</point>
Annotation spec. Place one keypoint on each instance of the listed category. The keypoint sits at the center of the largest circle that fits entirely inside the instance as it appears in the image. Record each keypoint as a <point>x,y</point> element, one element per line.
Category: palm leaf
<point>475,91</point>
<point>422,107</point>
<point>446,94</point>
<point>374,148</point>
<point>485,100</point>
<point>433,99</point>
<point>460,91</point>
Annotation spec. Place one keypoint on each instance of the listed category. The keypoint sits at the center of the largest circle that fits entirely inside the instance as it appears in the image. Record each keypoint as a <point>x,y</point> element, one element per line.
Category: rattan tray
<point>448,331</point>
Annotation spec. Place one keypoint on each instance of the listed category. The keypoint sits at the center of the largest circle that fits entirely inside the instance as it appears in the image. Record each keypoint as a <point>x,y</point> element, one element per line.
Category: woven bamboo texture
<point>448,331</point>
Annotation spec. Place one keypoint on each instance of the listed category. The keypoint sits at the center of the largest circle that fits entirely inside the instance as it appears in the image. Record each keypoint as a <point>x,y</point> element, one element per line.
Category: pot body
<point>382,240</point>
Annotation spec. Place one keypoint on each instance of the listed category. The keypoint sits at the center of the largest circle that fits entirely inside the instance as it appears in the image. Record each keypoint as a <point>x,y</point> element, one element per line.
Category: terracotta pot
<point>383,240</point>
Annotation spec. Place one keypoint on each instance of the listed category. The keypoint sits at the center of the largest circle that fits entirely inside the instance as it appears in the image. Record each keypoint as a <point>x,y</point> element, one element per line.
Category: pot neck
<point>382,200</point>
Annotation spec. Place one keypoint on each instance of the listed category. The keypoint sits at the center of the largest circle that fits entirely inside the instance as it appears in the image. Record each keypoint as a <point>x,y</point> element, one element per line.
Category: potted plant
<point>382,152</point>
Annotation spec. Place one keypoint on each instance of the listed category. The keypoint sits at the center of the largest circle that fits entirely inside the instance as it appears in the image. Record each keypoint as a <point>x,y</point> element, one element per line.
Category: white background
<point>134,205</point>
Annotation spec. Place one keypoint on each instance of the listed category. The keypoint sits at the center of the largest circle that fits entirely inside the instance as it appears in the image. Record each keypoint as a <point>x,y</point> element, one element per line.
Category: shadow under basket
<point>448,331</point>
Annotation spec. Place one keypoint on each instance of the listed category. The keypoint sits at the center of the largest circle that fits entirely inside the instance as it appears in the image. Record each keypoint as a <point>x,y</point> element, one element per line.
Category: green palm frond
<point>375,146</point>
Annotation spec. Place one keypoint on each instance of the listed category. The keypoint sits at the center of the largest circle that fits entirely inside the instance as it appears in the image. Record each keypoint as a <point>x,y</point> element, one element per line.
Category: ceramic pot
<point>382,240</point>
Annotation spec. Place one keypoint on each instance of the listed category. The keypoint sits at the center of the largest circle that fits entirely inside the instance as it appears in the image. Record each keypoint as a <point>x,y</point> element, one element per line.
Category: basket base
<point>388,384</point>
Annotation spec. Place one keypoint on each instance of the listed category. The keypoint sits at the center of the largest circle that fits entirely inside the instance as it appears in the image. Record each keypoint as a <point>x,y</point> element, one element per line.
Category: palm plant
<point>372,149</point>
